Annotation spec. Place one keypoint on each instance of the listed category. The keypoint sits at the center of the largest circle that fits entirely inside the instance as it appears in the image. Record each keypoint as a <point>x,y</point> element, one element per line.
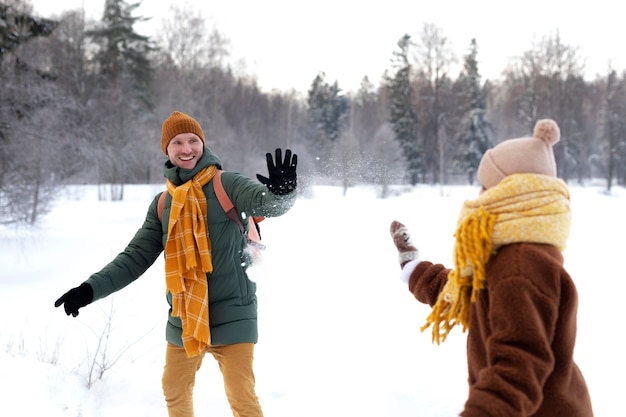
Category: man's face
<point>185,150</point>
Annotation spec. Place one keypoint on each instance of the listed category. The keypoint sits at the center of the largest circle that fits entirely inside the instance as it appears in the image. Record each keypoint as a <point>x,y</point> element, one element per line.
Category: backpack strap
<point>225,202</point>
<point>253,237</point>
<point>160,205</point>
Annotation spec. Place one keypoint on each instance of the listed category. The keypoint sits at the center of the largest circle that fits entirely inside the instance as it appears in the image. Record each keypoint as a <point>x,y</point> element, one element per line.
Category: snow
<point>339,332</point>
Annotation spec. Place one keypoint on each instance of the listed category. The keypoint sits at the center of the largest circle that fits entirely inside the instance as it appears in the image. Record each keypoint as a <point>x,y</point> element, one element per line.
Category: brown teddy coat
<point>521,335</point>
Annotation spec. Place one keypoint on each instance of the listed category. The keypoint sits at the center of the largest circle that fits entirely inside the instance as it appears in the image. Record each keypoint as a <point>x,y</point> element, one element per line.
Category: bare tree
<point>613,147</point>
<point>104,356</point>
<point>546,81</point>
<point>27,94</point>
<point>189,43</point>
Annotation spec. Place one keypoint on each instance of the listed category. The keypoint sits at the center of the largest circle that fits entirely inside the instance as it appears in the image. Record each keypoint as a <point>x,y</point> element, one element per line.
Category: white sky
<point>286,43</point>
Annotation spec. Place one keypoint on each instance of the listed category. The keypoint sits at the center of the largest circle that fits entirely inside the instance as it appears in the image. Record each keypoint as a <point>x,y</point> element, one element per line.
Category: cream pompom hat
<point>526,155</point>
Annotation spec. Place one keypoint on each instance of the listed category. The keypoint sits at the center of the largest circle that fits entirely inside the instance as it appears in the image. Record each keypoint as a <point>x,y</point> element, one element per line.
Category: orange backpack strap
<point>253,236</point>
<point>225,202</point>
<point>227,206</point>
<point>160,205</point>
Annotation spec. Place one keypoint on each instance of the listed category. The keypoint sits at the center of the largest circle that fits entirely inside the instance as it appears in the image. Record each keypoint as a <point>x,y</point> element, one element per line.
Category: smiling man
<point>213,304</point>
<point>183,149</point>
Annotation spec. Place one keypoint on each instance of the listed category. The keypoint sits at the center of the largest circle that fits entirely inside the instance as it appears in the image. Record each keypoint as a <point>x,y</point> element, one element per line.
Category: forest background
<point>82,101</point>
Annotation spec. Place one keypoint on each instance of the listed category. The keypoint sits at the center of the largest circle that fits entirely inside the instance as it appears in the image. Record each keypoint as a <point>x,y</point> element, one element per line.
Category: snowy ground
<point>339,333</point>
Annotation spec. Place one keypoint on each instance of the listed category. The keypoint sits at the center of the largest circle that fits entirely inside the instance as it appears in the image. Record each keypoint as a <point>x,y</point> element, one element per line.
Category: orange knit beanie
<point>176,124</point>
<point>528,155</point>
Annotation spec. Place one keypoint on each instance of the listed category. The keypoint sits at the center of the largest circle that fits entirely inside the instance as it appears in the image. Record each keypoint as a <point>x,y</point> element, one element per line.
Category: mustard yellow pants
<point>235,362</point>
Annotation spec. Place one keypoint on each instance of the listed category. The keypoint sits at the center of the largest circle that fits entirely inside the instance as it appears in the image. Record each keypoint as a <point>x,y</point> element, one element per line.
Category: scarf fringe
<point>472,251</point>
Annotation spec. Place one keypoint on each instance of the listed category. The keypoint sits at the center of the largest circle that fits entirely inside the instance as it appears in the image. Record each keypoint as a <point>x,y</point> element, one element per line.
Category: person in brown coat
<point>508,287</point>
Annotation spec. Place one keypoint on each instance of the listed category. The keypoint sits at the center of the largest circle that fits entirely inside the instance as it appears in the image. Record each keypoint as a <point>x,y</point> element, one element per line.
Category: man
<point>213,305</point>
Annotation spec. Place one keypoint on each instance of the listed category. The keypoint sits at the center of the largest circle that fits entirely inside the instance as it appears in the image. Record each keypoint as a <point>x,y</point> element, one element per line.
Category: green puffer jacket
<point>232,296</point>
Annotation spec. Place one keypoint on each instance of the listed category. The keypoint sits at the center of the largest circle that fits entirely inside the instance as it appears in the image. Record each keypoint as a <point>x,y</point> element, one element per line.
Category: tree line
<point>82,101</point>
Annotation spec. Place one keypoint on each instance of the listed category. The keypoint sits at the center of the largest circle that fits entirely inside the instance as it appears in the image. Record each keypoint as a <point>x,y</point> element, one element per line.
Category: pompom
<point>548,131</point>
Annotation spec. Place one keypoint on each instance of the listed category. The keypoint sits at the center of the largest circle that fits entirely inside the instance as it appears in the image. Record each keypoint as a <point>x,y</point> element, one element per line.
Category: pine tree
<point>123,71</point>
<point>475,131</point>
<point>328,108</point>
<point>402,117</point>
<point>123,58</point>
<point>17,28</point>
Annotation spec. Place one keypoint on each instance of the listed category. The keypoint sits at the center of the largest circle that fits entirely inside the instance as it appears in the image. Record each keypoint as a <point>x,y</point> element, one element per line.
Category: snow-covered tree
<point>403,119</point>
<point>123,69</point>
<point>475,133</point>
<point>27,178</point>
<point>328,107</point>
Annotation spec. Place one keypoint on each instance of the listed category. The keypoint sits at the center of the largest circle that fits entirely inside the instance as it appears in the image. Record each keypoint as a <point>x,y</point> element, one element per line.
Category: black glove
<point>282,178</point>
<point>76,298</point>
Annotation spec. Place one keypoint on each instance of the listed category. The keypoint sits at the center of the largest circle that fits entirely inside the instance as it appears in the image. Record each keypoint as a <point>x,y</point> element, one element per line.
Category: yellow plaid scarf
<point>522,208</point>
<point>188,260</point>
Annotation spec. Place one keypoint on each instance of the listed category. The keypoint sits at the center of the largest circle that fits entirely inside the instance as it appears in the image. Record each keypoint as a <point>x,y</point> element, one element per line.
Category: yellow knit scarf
<point>522,208</point>
<point>188,260</point>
